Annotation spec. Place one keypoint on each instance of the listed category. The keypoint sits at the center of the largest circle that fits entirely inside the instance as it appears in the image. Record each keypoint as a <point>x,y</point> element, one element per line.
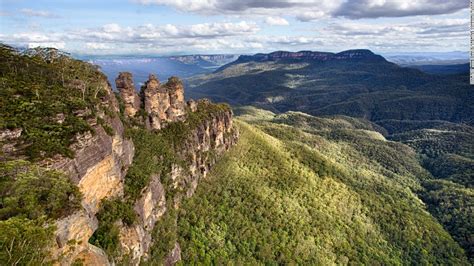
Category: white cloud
<point>426,26</point>
<point>57,45</point>
<point>244,37</point>
<point>308,10</point>
<point>149,32</point>
<point>251,7</point>
<point>111,28</point>
<point>356,9</point>
<point>310,15</point>
<point>276,21</point>
<point>97,46</point>
<point>38,13</point>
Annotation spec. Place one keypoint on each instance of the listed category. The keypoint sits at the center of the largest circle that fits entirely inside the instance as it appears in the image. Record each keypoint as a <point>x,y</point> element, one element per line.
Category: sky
<point>170,27</point>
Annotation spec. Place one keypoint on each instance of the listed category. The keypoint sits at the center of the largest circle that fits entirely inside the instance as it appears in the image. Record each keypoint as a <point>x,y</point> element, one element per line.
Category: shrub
<point>24,241</point>
<point>29,191</point>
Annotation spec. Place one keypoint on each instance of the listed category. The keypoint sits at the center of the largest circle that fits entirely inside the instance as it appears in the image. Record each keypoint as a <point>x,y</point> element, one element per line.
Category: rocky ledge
<point>102,160</point>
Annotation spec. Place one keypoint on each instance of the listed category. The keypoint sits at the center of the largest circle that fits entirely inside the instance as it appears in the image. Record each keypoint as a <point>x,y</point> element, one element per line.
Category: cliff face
<point>163,103</point>
<point>361,54</point>
<point>99,168</point>
<point>128,93</point>
<point>198,152</point>
<point>99,165</point>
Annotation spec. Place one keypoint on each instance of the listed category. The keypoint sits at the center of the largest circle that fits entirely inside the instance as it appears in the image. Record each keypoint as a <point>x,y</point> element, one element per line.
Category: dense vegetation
<point>296,189</point>
<point>107,235</point>
<point>47,99</point>
<point>372,89</point>
<point>155,153</point>
<point>290,192</point>
<point>430,113</point>
<point>446,150</point>
<point>31,198</point>
<point>49,96</point>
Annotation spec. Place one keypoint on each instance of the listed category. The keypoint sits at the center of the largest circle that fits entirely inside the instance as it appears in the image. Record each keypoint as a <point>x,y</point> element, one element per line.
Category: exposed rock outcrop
<point>98,168</point>
<point>174,256</point>
<point>163,103</point>
<point>175,89</point>
<point>208,140</point>
<point>102,159</point>
<point>124,83</point>
<point>205,144</point>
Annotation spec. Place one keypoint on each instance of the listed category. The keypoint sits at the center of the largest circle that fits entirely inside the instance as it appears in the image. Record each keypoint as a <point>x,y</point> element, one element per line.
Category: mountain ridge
<point>355,82</point>
<point>353,54</point>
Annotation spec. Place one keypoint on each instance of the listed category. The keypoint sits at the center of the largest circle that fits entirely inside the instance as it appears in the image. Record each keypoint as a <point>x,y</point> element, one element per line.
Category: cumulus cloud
<point>313,8</point>
<point>308,10</point>
<point>111,28</point>
<point>422,27</point>
<point>57,45</point>
<point>149,32</point>
<point>276,21</point>
<point>244,37</point>
<point>356,9</point>
<point>97,46</point>
<point>310,15</point>
<point>38,13</point>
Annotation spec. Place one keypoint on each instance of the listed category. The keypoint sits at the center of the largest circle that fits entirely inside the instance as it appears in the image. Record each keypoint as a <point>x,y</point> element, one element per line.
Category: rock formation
<point>98,168</point>
<point>202,147</point>
<point>102,159</point>
<point>360,54</point>
<point>128,93</point>
<point>163,103</point>
<point>175,89</point>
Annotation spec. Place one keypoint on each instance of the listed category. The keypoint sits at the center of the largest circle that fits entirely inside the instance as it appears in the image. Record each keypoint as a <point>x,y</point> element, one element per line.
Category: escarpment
<point>111,168</point>
<point>98,167</point>
<point>184,139</point>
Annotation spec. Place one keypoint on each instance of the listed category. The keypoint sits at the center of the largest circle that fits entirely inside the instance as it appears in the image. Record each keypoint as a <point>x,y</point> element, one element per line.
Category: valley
<point>320,159</point>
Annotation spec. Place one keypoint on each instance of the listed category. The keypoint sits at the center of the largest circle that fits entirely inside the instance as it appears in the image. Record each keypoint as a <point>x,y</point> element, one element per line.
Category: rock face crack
<point>162,103</point>
<point>102,160</point>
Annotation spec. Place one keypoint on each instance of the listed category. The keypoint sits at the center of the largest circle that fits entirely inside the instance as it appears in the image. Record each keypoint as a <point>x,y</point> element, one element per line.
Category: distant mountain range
<point>428,58</point>
<point>141,67</point>
<point>355,83</point>
<point>190,65</point>
<point>444,69</point>
<point>431,113</point>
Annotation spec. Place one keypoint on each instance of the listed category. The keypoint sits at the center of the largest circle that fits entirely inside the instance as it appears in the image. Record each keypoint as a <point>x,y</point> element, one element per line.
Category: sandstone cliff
<point>163,103</point>
<point>124,83</point>
<point>99,168</point>
<point>197,152</point>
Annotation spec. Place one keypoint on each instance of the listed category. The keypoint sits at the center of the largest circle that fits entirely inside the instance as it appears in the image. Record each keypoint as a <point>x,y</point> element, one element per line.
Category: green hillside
<point>307,190</point>
<point>374,89</point>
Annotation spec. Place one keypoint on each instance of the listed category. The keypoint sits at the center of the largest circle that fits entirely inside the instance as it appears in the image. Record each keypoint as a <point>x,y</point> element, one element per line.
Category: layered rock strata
<point>102,159</point>
<point>98,168</point>
<point>163,103</point>
<point>202,147</point>
<point>128,93</point>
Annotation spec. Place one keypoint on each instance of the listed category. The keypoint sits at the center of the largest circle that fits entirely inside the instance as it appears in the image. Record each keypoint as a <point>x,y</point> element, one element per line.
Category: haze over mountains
<point>356,82</point>
<point>431,113</point>
<point>183,66</point>
<point>335,158</point>
<point>190,65</point>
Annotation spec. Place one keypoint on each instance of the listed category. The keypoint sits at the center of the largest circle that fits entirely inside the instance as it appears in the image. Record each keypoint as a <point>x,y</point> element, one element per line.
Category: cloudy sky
<point>162,27</point>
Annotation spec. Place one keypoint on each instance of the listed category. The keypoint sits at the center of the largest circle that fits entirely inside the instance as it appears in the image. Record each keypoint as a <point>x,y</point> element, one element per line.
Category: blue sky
<point>163,27</point>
